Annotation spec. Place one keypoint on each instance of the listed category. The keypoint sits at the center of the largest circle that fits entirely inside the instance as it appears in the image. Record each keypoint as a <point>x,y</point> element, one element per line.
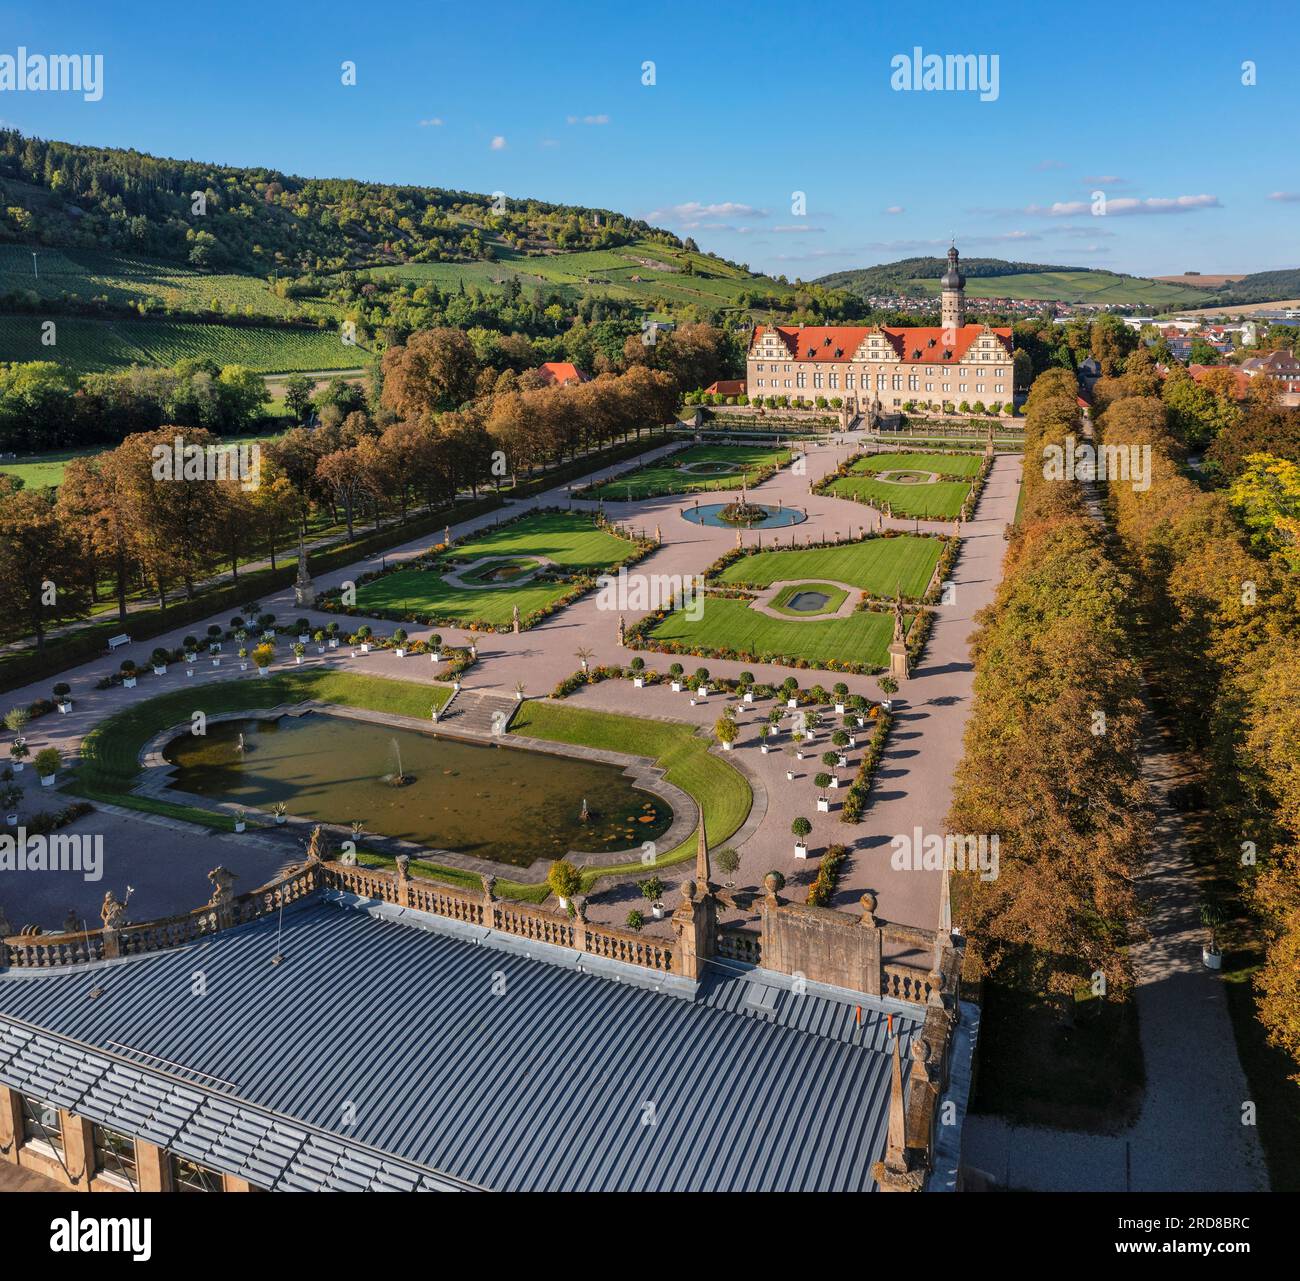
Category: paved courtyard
<point>167,864</point>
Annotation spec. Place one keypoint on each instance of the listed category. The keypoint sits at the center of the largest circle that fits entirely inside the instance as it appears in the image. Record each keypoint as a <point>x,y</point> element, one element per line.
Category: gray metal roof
<point>395,1052</point>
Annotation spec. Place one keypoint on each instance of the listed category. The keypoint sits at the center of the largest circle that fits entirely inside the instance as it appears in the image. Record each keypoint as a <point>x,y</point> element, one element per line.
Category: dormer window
<point>826,342</point>
<point>839,351</point>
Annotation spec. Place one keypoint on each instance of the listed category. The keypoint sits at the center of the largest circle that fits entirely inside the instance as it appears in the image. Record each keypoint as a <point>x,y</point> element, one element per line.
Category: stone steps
<point>478,712</point>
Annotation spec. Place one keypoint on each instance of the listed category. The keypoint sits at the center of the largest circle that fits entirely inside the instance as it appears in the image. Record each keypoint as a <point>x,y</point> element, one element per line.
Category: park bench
<point>115,642</point>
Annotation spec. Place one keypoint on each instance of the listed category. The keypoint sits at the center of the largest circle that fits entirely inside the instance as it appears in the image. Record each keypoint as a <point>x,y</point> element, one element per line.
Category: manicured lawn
<point>720,790</point>
<point>937,501</point>
<point>880,566</point>
<point>943,464</point>
<point>836,596</point>
<point>668,476</point>
<point>727,624</point>
<point>570,539</point>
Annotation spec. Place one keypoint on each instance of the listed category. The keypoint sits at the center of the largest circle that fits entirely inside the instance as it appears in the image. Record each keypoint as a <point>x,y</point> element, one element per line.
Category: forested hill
<point>260,220</point>
<point>892,277</point>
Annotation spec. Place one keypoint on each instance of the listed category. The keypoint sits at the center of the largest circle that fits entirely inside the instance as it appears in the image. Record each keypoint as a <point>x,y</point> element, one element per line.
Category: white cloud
<point>894,209</point>
<point>499,143</point>
<point>1126,205</point>
<point>601,119</point>
<point>435,121</point>
<point>1103,180</point>
<point>1288,197</point>
<point>695,214</point>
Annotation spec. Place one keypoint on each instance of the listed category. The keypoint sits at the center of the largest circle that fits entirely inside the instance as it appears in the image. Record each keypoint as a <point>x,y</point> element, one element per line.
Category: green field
<point>880,566</point>
<point>1077,286</point>
<point>668,477</point>
<point>731,625</point>
<point>88,275</point>
<point>935,501</point>
<point>943,464</point>
<point>569,539</point>
<point>91,345</point>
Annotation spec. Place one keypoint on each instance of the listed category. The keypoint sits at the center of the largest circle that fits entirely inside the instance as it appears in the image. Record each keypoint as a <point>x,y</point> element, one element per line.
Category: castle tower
<point>953,286</point>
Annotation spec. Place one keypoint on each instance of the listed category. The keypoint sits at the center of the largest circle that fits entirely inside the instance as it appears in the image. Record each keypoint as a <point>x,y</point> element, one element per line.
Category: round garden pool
<point>770,518</point>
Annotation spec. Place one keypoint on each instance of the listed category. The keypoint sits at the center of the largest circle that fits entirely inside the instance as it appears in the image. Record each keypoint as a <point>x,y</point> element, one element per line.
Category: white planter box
<point>763,747</point>
<point>65,707</point>
<point>365,647</point>
<point>789,775</point>
<point>1211,960</point>
<point>297,660</point>
<point>657,911</point>
<point>159,669</point>
<point>401,653</point>
<point>281,818</point>
<point>334,642</point>
<point>839,709</point>
<point>189,658</point>
<point>519,698</point>
<point>798,756</point>
<point>19,766</point>
<point>835,782</point>
<point>801,851</point>
<point>638,682</point>
<point>128,682</point>
<point>216,662</point>
<point>304,637</point>
<point>11,820</point>
<point>823,805</point>
<point>320,649</point>
<point>677,687</point>
<point>726,747</point>
<point>564,903</point>
<point>240,825</point>
<point>792,702</point>
<point>47,780</point>
<point>243,667</point>
<point>843,761</point>
<point>189,671</point>
<point>436,656</point>
<point>703,691</point>
<point>749,696</point>
<point>264,671</point>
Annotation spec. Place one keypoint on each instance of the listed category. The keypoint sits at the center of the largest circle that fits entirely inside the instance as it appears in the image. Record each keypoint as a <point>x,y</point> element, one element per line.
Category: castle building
<point>880,369</point>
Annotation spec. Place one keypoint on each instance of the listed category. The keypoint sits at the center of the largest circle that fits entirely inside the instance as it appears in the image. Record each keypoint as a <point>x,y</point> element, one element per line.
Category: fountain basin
<point>769,517</point>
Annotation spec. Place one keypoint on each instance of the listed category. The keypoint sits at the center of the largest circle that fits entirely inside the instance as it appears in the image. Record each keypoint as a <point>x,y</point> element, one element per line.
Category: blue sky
<point>1201,172</point>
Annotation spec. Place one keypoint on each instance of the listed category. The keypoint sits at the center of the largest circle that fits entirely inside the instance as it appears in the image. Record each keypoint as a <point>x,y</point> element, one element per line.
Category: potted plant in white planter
<point>11,796</point>
<point>319,637</point>
<point>47,765</point>
<point>638,672</point>
<point>243,658</point>
<point>702,679</point>
<point>241,820</point>
<point>304,630</point>
<point>653,890</point>
<point>764,731</point>
<point>160,657</point>
<point>214,639</point>
<point>298,650</point>
<point>214,652</point>
<point>363,635</point>
<point>399,642</point>
<point>584,655</point>
<point>801,827</point>
<point>841,693</point>
<point>191,646</point>
<point>262,656</point>
<point>520,691</point>
<point>725,731</point>
<point>1212,919</point>
<point>675,672</point>
<point>823,781</point>
<point>332,631</point>
<point>18,753</point>
<point>745,687</point>
<point>128,673</point>
<point>435,648</point>
<point>565,880</point>
<point>727,862</point>
<point>61,692</point>
<point>281,812</point>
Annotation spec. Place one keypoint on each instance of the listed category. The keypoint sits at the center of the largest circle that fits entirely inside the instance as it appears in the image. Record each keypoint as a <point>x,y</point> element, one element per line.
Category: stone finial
<point>223,880</point>
<point>688,892</point>
<point>772,884</point>
<point>922,1063</point>
<point>580,908</point>
<point>403,865</point>
<point>868,901</point>
<point>659,537</point>
<point>318,845</point>
<point>703,872</point>
<point>514,618</point>
<point>489,886</point>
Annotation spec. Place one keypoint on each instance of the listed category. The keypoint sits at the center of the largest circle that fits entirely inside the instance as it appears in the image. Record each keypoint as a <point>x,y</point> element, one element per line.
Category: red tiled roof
<point>727,387</point>
<point>835,344</point>
<point>560,372</point>
<point>1240,380</point>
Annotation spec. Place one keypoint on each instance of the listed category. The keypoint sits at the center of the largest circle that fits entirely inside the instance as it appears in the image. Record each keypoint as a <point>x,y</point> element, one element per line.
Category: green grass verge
<point>937,501</point>
<point>944,464</point>
<point>668,476</point>
<point>728,627</point>
<point>880,566</point>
